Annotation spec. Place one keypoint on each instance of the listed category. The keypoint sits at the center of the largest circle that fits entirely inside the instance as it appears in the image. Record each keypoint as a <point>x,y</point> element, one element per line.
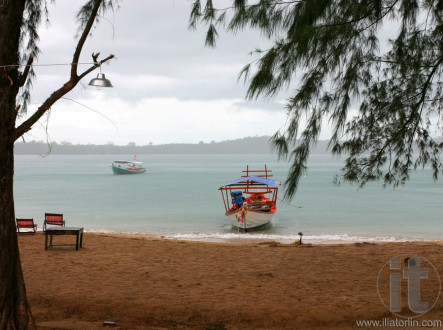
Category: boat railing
<point>226,194</point>
<point>259,192</point>
<point>250,187</point>
<point>264,173</point>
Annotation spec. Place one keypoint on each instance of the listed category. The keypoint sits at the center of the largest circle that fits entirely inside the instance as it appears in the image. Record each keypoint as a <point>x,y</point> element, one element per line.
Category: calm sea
<point>178,197</point>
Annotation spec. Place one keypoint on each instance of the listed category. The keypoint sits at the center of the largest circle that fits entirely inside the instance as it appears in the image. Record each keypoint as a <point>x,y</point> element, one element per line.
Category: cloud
<point>167,86</point>
<point>100,120</point>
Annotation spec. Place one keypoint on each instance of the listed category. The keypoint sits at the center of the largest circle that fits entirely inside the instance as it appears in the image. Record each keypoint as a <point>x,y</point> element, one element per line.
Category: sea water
<point>178,197</point>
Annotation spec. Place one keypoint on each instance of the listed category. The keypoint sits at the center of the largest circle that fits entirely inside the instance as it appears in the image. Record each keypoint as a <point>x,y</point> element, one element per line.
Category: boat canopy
<point>253,178</point>
<point>127,162</point>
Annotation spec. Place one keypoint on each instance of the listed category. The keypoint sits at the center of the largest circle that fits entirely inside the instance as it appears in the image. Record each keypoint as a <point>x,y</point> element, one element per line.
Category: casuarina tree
<point>19,21</point>
<point>372,70</point>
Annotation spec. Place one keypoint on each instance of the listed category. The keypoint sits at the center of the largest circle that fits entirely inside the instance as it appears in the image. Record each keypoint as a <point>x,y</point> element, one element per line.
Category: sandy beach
<point>152,283</point>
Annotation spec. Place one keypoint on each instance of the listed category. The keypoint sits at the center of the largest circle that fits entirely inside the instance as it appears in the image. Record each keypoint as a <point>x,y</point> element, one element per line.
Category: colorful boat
<point>250,201</point>
<point>127,167</point>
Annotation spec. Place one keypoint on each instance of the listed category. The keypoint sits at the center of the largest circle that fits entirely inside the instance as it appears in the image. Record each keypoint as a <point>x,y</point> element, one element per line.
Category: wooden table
<point>51,231</point>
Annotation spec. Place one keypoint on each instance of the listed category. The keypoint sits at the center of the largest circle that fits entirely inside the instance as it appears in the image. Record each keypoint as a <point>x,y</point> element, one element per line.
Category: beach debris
<point>301,235</point>
<point>363,243</point>
<point>109,324</point>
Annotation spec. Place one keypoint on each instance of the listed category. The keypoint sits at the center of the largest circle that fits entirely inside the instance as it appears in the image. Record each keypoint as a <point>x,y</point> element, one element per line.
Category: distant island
<point>247,145</point>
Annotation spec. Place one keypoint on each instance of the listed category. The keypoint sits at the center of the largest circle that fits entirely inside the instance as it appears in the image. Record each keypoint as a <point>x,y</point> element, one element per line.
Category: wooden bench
<point>53,219</point>
<point>26,223</point>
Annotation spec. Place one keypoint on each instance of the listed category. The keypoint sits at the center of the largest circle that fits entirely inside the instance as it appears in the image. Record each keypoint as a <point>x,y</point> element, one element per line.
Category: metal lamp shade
<point>100,81</point>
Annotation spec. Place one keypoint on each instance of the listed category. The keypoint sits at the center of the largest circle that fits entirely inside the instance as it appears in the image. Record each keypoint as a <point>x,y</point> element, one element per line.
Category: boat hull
<point>253,219</point>
<point>120,170</point>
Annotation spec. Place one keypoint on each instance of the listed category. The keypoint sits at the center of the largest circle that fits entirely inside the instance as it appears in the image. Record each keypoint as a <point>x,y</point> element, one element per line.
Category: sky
<point>168,87</point>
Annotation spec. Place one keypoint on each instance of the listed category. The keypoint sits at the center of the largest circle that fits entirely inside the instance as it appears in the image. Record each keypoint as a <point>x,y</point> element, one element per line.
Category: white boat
<point>250,201</point>
<point>127,167</point>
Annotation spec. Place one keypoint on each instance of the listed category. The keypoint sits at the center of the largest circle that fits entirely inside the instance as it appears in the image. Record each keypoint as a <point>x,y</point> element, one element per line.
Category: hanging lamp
<point>100,81</point>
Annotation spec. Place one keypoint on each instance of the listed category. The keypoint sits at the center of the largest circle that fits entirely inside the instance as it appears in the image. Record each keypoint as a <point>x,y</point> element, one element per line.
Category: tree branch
<point>83,38</point>
<point>69,85</point>
<point>55,96</point>
<point>24,75</point>
<point>92,68</point>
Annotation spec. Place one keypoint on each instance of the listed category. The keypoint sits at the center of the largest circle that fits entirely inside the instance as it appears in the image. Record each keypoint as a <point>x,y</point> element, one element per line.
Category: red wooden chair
<point>53,219</point>
<point>26,223</point>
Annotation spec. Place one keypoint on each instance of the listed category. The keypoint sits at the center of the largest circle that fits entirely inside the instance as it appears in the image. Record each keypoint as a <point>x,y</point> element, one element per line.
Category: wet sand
<point>148,283</point>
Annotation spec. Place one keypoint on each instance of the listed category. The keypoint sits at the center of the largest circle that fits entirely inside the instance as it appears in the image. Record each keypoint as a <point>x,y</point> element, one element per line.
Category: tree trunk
<point>15,312</point>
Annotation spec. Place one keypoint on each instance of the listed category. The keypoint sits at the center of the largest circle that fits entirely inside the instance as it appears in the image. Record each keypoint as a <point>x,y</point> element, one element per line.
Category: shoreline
<point>251,237</point>
<point>144,282</point>
<point>257,237</point>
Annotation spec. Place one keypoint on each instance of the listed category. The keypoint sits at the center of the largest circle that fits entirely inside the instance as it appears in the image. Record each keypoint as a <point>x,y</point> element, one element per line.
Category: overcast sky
<point>168,87</point>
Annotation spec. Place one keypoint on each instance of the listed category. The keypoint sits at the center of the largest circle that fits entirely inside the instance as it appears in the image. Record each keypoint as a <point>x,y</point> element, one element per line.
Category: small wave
<point>235,237</point>
<point>322,239</point>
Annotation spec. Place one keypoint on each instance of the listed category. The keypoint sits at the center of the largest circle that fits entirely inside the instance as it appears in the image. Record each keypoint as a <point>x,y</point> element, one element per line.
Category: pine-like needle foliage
<point>382,97</point>
<point>85,12</point>
<point>34,10</point>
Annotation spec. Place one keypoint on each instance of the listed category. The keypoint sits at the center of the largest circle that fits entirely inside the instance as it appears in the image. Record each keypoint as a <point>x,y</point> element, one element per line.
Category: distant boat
<point>127,167</point>
<point>250,201</point>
